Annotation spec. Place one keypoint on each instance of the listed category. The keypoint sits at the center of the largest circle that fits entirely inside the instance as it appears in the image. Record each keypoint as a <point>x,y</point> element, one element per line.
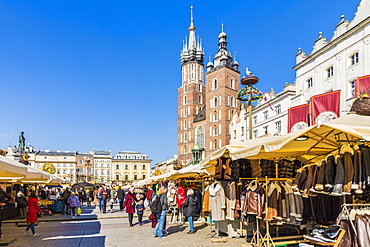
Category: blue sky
<point>99,75</point>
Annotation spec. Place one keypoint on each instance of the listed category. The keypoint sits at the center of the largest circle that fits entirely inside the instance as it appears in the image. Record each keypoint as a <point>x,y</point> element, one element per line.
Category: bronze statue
<point>22,141</point>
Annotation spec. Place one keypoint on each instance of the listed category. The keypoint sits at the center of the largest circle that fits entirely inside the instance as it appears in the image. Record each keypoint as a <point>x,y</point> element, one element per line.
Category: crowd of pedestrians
<point>103,199</point>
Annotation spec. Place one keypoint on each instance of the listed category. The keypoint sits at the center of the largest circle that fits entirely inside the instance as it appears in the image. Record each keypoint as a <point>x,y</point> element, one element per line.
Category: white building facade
<point>331,65</point>
<point>336,64</point>
<point>102,166</point>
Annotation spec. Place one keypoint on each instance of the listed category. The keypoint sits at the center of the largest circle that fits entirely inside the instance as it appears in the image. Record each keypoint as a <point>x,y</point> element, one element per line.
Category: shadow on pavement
<point>77,233</point>
<point>197,228</point>
<point>175,229</point>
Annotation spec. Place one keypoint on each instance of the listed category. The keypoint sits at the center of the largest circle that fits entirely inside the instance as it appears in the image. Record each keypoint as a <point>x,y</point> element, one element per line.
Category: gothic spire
<point>192,51</point>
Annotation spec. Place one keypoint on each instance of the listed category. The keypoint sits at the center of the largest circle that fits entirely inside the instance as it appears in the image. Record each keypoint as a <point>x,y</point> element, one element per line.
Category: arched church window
<point>200,135</point>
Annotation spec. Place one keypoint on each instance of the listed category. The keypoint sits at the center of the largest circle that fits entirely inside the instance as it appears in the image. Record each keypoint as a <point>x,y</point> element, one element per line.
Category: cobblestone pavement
<point>96,229</point>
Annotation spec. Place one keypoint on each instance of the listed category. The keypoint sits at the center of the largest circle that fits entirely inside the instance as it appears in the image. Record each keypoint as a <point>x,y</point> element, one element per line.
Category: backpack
<point>156,206</point>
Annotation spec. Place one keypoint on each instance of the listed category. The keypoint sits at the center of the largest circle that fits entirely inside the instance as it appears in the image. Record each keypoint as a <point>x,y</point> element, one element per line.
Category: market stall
<point>279,182</point>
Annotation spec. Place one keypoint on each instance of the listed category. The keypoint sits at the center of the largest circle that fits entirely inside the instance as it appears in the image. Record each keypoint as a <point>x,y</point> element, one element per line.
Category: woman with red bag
<point>130,205</point>
<point>31,217</point>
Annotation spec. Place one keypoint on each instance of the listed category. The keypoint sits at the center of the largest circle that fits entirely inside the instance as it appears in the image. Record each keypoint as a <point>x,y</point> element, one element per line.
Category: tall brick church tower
<point>205,111</point>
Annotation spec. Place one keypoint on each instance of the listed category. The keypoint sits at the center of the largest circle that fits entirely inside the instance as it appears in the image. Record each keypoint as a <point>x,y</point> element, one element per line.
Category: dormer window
<point>354,59</point>
<point>330,72</point>
<point>309,82</point>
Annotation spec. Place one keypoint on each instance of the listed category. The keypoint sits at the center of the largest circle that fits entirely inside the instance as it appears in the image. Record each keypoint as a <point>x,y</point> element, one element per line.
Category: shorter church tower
<point>222,86</point>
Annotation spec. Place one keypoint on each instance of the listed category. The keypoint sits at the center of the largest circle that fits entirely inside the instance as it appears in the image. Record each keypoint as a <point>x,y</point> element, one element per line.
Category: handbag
<point>79,211</point>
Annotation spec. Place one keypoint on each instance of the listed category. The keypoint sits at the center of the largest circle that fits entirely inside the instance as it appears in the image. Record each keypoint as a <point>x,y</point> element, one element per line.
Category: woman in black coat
<point>190,208</point>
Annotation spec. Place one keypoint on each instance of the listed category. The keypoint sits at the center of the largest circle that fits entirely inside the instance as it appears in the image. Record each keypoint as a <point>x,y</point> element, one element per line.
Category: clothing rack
<point>258,239</point>
<point>345,212</point>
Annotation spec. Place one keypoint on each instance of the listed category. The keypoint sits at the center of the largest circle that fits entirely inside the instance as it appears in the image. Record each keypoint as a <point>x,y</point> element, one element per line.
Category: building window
<point>242,131</point>
<point>232,101</point>
<point>216,102</point>
<point>80,161</point>
<point>255,134</point>
<point>352,83</point>
<point>265,115</point>
<point>215,131</point>
<point>200,135</point>
<point>117,176</point>
<point>265,129</point>
<point>135,176</point>
<point>234,134</point>
<point>126,177</point>
<point>184,99</point>
<point>254,119</point>
<point>232,83</point>
<point>330,71</point>
<point>309,82</point>
<point>126,167</point>
<point>278,109</point>
<point>215,144</point>
<point>135,167</point>
<point>278,126</point>
<point>200,99</point>
<point>117,166</point>
<point>354,59</point>
<point>215,116</point>
<point>143,176</point>
<point>143,167</point>
<point>185,88</point>
<point>214,84</point>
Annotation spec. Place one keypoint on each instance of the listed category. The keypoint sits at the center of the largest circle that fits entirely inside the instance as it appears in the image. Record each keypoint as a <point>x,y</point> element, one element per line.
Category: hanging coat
<point>33,207</point>
<point>230,194</point>
<point>181,196</point>
<point>218,202</point>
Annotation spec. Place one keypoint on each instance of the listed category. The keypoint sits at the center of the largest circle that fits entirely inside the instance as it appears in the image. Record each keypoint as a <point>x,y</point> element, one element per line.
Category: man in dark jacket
<point>121,197</point>
<point>4,198</point>
<point>66,195</point>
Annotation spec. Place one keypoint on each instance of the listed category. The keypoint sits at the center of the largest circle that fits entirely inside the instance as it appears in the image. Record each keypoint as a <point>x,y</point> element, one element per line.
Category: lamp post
<point>249,94</point>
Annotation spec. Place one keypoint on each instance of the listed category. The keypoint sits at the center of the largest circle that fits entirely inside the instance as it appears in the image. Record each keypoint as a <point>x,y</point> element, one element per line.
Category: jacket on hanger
<point>217,201</point>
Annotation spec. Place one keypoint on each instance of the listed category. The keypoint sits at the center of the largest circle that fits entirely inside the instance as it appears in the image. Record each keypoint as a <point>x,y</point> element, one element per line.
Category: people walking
<point>66,195</point>
<point>88,198</point>
<point>161,217</point>
<point>31,218</point>
<point>190,208</point>
<point>104,198</point>
<point>99,196</point>
<point>81,196</point>
<point>73,203</point>
<point>121,198</point>
<point>140,211</point>
<point>95,197</point>
<point>4,198</point>
<point>112,198</point>
<point>21,204</point>
<point>130,205</point>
